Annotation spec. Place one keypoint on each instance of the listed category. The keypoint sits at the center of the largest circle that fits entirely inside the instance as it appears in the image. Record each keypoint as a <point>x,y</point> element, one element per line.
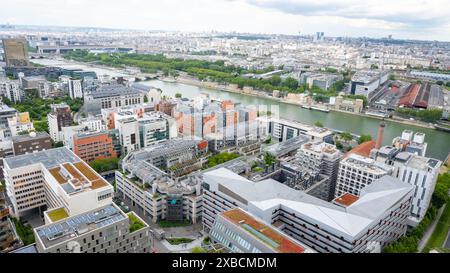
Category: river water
<point>438,141</point>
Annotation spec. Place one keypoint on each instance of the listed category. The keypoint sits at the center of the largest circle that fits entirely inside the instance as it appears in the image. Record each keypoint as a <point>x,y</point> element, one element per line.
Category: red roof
<point>285,245</point>
<point>346,199</point>
<point>362,149</point>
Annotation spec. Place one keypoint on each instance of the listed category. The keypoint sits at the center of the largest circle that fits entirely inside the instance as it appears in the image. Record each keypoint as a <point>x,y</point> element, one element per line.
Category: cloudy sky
<point>415,19</point>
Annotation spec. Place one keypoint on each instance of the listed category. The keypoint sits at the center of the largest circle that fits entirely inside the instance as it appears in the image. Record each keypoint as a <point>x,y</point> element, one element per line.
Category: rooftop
<point>267,195</point>
<point>362,149</point>
<point>77,177</point>
<point>57,214</point>
<point>71,228</point>
<point>346,199</point>
<point>270,236</point>
<point>114,90</point>
<point>49,158</point>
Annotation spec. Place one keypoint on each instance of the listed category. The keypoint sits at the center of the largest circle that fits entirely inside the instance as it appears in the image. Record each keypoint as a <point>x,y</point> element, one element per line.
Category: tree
<point>392,77</point>
<point>104,164</point>
<point>346,136</point>
<point>318,124</point>
<point>275,80</point>
<point>290,83</point>
<point>269,159</point>
<point>440,82</point>
<point>364,138</point>
<point>58,144</point>
<point>178,95</point>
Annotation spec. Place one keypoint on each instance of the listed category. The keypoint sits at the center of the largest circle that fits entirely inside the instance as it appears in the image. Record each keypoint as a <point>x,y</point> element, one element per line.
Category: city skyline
<point>408,19</point>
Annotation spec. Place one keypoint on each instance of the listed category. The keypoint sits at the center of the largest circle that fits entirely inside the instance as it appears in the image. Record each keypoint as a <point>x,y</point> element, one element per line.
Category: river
<point>438,141</point>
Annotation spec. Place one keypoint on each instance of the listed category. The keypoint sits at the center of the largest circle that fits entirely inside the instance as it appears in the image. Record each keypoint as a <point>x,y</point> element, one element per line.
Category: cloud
<point>418,14</point>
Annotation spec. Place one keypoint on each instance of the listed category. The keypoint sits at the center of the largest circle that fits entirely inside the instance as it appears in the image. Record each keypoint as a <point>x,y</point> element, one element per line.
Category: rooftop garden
<point>135,222</point>
<point>57,214</point>
<point>219,159</point>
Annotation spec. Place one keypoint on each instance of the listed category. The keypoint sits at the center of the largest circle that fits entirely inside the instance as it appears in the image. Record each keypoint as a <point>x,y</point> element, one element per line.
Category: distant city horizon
<point>110,29</point>
<point>404,19</point>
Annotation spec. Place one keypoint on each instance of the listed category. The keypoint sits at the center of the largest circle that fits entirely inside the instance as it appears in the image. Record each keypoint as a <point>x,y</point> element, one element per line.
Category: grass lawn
<point>179,241</point>
<point>58,214</point>
<point>169,224</point>
<point>439,235</point>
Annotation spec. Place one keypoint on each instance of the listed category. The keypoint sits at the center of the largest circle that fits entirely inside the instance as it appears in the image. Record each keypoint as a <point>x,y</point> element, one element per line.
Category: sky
<point>405,19</point>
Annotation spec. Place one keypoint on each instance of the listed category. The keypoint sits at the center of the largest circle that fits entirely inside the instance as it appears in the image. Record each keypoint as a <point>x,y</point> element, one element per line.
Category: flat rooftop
<point>71,228</point>
<point>50,158</point>
<point>271,237</point>
<point>346,199</point>
<point>77,177</point>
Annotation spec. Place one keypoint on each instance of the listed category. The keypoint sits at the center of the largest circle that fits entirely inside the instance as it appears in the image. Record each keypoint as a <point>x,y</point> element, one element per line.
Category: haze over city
<point>405,19</point>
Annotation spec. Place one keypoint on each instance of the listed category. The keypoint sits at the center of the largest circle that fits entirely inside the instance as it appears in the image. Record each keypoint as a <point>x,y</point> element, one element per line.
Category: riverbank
<point>256,93</point>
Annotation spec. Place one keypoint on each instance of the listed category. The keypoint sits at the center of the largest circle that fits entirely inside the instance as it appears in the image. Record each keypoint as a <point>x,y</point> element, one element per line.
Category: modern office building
<point>129,134</point>
<point>112,96</point>
<point>60,116</point>
<point>241,232</point>
<point>365,82</point>
<point>422,173</point>
<point>106,229</point>
<point>160,195</point>
<point>362,224</point>
<point>356,172</point>
<point>93,144</point>
<point>16,52</point>
<point>283,129</point>
<point>156,127</point>
<point>53,179</point>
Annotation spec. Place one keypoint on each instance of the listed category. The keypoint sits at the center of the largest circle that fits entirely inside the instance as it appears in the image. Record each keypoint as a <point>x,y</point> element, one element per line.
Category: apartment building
<point>9,240</point>
<point>91,145</point>
<point>20,123</point>
<point>30,143</point>
<point>11,90</point>
<point>54,178</point>
<point>365,224</point>
<point>106,229</point>
<point>60,116</point>
<point>324,158</point>
<point>356,172</point>
<point>241,232</point>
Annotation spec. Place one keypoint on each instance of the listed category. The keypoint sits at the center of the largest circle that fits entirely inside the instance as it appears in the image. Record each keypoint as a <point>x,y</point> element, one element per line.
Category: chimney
<point>379,141</point>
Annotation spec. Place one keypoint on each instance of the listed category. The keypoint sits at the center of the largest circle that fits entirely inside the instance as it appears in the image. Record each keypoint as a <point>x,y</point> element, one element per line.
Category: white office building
<point>357,224</point>
<point>75,89</point>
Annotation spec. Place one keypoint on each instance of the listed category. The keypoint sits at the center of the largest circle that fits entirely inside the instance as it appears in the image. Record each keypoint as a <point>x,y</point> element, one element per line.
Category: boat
<point>326,110</point>
<point>306,107</point>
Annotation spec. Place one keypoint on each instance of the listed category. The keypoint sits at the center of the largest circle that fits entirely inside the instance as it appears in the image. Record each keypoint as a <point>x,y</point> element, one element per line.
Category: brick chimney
<point>379,140</point>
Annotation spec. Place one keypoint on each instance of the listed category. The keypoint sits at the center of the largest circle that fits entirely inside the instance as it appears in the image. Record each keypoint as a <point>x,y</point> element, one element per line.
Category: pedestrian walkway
<point>423,242</point>
<point>183,248</point>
